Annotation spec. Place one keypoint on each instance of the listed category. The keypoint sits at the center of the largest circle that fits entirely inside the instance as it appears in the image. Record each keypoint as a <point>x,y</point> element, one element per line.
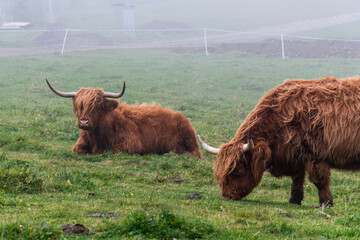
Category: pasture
<point>44,185</point>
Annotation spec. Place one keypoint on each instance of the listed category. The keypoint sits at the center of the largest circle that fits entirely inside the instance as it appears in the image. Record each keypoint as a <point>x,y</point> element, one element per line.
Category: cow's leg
<point>189,146</point>
<point>82,145</point>
<point>78,148</point>
<point>187,141</point>
<point>180,149</point>
<point>130,145</point>
<point>319,175</point>
<point>297,188</point>
<point>195,154</point>
<point>118,148</point>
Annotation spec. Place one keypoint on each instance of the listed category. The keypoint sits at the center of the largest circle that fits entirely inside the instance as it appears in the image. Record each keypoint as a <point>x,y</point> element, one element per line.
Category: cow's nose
<point>84,122</point>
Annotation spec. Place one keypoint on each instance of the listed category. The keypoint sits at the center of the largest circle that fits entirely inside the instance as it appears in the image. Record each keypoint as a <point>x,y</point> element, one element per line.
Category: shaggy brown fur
<point>108,125</point>
<point>300,126</point>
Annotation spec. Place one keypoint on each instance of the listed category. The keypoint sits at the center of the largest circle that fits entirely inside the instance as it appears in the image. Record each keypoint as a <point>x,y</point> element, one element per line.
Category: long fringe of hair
<point>86,100</point>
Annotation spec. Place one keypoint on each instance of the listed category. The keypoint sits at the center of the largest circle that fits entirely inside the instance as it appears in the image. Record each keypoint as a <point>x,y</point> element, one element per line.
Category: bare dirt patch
<point>176,180</point>
<point>295,48</point>
<point>194,196</point>
<point>75,229</point>
<point>100,215</point>
<point>51,38</point>
<point>164,24</point>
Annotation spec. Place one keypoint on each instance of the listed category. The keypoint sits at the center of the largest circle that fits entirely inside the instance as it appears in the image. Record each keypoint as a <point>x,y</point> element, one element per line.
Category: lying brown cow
<point>300,126</point>
<point>108,125</point>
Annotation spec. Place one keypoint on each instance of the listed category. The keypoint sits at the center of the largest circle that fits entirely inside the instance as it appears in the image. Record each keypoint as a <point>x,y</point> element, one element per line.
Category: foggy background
<point>277,28</point>
<point>228,14</point>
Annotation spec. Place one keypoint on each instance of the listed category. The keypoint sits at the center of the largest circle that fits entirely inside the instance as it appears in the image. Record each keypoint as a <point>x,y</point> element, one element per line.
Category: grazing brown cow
<point>108,125</point>
<point>300,126</point>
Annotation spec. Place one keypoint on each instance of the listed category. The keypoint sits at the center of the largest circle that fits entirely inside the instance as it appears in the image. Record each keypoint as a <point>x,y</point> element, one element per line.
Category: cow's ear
<point>261,155</point>
<point>110,105</point>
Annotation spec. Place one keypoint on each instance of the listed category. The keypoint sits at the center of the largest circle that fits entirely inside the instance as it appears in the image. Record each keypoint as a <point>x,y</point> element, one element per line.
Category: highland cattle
<point>107,125</point>
<point>299,127</point>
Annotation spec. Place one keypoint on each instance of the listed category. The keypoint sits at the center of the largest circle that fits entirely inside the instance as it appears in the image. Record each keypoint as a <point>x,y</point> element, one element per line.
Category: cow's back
<point>310,120</point>
<point>159,128</point>
<point>328,111</point>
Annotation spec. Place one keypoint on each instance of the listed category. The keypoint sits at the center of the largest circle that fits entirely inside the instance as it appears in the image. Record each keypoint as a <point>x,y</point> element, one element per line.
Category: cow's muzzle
<point>84,124</point>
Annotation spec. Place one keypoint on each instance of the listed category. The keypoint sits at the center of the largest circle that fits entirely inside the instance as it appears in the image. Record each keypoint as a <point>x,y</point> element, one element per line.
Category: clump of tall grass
<point>67,181</point>
<point>161,225</point>
<point>18,176</point>
<point>28,231</point>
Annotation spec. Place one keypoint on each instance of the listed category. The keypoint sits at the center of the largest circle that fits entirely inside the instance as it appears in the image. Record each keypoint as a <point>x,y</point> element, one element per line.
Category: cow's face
<point>237,172</point>
<point>90,106</point>
<point>238,183</point>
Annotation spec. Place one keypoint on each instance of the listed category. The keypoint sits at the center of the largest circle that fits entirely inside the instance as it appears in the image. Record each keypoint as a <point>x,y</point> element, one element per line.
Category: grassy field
<point>44,185</point>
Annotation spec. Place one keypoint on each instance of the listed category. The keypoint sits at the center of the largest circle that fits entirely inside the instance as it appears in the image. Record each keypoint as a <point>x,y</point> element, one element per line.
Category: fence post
<point>282,46</point>
<point>205,40</point>
<point>63,45</point>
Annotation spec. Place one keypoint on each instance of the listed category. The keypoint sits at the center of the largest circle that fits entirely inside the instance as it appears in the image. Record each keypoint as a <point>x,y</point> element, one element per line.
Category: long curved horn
<point>207,147</point>
<point>249,145</point>
<point>61,94</point>
<point>115,95</point>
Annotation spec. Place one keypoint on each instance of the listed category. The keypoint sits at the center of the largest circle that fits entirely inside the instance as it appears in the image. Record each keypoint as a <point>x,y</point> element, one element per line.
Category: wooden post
<point>205,40</point>
<point>63,45</point>
<point>282,46</point>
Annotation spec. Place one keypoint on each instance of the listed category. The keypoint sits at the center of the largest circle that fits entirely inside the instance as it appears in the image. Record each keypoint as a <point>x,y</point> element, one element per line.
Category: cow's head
<point>89,105</point>
<point>240,166</point>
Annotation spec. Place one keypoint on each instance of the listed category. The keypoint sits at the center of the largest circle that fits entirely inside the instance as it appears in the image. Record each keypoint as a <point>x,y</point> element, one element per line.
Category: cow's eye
<point>236,172</point>
<point>239,170</point>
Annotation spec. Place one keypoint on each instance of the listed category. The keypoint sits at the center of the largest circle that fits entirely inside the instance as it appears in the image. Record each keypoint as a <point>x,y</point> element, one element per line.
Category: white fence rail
<point>21,42</point>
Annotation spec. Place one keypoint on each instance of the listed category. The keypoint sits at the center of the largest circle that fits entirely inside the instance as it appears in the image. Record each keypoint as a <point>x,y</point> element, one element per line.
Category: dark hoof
<point>295,201</point>
<point>296,197</point>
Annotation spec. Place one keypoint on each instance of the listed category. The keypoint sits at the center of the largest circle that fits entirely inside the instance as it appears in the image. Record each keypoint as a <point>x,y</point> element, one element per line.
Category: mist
<point>209,26</point>
<point>116,14</point>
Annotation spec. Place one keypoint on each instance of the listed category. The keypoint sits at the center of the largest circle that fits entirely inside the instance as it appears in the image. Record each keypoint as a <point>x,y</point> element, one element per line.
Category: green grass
<point>44,185</point>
